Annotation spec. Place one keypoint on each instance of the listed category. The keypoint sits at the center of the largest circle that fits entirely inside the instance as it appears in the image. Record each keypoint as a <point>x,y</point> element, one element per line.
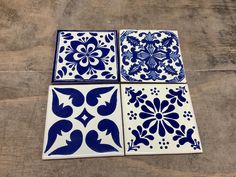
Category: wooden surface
<point>207,31</point>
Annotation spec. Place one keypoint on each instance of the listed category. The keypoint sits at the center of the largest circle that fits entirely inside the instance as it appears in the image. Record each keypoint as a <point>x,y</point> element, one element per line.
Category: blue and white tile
<point>86,56</point>
<point>151,56</point>
<point>83,121</point>
<point>159,119</point>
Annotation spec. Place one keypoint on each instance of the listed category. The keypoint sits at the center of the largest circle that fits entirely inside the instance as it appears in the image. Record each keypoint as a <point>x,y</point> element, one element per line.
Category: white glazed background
<point>136,35</point>
<point>61,43</point>
<point>172,149</point>
<point>83,151</point>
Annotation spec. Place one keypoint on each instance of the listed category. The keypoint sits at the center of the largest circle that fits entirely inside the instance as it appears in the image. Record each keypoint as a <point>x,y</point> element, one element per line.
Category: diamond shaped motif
<point>85,117</point>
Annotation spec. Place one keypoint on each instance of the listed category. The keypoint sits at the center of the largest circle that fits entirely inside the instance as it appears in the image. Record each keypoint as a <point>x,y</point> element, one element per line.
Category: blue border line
<point>85,81</point>
<point>55,57</point>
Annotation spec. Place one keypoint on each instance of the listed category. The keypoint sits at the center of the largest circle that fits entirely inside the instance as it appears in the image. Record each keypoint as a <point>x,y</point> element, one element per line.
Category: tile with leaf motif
<point>83,121</point>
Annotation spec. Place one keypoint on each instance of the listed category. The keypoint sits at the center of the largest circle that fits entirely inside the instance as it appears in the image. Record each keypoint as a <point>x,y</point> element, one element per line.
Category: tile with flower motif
<point>159,119</point>
<point>151,56</point>
<point>83,121</point>
<point>86,56</point>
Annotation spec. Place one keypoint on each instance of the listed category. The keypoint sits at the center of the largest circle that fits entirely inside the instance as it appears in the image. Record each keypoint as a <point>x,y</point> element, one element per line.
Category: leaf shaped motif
<point>95,144</point>
<point>72,146</point>
<point>170,70</point>
<point>109,107</point>
<point>93,95</point>
<point>62,49</point>
<point>139,139</point>
<point>167,41</point>
<point>76,96</point>
<point>111,128</point>
<point>133,40</point>
<point>187,138</point>
<point>57,129</point>
<point>64,70</point>
<point>108,38</point>
<point>68,36</point>
<point>134,69</point>
<point>60,110</point>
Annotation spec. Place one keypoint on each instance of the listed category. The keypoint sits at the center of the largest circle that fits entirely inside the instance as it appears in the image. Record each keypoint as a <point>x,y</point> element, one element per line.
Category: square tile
<point>150,56</point>
<point>83,121</point>
<point>159,119</point>
<point>84,56</point>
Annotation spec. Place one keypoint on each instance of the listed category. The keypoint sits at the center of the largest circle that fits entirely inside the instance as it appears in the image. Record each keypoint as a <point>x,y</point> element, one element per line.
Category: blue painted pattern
<point>158,121</point>
<point>86,56</point>
<point>75,111</point>
<point>151,56</point>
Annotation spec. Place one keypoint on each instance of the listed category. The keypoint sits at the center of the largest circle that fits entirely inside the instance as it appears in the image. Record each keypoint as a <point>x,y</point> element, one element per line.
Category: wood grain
<point>207,30</point>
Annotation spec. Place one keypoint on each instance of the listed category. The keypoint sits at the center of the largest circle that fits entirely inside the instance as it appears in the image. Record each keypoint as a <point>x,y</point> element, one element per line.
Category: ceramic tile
<point>84,56</point>
<point>83,121</point>
<point>150,56</point>
<point>159,119</point>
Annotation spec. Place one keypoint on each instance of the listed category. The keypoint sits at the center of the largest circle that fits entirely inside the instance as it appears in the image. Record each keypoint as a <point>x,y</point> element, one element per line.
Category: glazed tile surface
<point>86,56</point>
<point>159,119</point>
<point>83,121</point>
<point>150,56</point>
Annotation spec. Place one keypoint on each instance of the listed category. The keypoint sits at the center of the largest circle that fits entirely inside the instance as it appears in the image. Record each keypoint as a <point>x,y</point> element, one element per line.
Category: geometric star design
<point>84,117</point>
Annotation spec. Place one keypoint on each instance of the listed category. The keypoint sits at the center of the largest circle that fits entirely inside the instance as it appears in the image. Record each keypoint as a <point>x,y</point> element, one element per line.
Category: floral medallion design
<point>162,123</point>
<point>86,56</point>
<point>150,56</point>
<point>83,121</point>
